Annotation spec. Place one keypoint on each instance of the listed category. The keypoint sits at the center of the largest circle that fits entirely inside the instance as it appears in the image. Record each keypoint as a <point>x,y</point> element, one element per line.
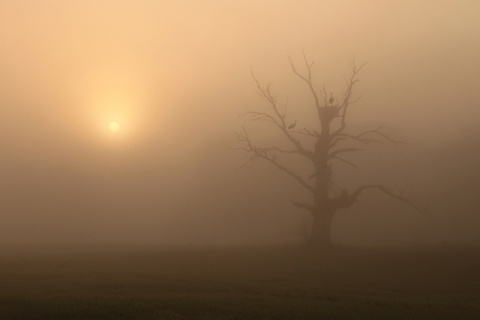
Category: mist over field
<point>176,75</point>
<point>195,159</point>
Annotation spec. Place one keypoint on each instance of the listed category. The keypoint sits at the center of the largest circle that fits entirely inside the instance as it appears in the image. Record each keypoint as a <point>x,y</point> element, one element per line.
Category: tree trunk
<point>321,235</point>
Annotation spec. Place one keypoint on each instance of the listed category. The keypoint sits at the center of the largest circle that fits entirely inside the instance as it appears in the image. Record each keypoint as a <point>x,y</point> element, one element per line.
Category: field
<point>240,283</point>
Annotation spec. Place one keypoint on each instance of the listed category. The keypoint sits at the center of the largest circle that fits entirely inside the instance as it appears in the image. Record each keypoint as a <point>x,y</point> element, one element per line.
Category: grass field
<point>240,283</point>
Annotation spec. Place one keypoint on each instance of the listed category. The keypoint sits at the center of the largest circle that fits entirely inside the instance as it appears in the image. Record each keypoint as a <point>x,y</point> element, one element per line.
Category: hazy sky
<point>176,74</point>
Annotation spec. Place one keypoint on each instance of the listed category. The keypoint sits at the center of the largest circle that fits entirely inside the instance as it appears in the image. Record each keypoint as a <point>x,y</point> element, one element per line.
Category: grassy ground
<point>241,283</point>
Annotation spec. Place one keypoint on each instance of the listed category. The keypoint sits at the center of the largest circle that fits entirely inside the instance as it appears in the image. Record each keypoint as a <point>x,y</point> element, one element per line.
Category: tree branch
<point>343,160</point>
<point>259,152</point>
<point>259,116</point>
<point>353,197</point>
<point>348,95</point>
<point>366,137</point>
<point>279,150</point>
<point>336,152</point>
<point>307,78</point>
<point>307,132</point>
<point>289,172</point>
<point>278,119</point>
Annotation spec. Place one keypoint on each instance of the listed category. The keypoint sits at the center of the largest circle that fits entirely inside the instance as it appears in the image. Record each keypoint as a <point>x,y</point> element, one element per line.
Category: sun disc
<point>114,126</point>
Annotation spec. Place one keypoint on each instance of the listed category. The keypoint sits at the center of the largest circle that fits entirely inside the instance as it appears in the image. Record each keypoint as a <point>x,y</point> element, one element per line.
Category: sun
<point>114,126</point>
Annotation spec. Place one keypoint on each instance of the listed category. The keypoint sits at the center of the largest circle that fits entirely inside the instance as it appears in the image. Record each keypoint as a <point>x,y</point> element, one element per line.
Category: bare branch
<point>278,119</point>
<point>324,95</point>
<point>305,184</point>
<point>285,109</point>
<point>294,69</point>
<point>367,137</point>
<point>353,197</point>
<point>259,152</point>
<point>336,152</point>
<point>381,134</point>
<point>279,150</point>
<point>343,160</point>
<point>307,78</point>
<point>246,163</point>
<point>259,116</point>
<point>348,95</point>
<point>307,132</point>
<point>337,140</point>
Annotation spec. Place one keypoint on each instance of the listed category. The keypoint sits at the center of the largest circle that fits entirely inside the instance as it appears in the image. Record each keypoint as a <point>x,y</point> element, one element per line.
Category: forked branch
<point>307,78</point>
<point>268,155</point>
<point>369,136</point>
<point>276,117</point>
<point>347,98</point>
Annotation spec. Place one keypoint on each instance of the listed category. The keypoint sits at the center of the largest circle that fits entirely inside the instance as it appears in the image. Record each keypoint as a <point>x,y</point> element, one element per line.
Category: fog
<point>176,75</point>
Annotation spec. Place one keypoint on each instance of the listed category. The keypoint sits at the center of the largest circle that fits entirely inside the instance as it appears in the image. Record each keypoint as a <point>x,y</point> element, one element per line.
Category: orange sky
<point>175,75</point>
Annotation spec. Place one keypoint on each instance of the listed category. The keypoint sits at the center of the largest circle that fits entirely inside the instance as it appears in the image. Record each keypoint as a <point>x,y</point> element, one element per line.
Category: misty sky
<point>176,74</point>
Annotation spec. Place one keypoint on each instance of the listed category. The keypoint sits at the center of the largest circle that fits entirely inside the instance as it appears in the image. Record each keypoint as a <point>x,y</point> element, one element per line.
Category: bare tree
<point>330,141</point>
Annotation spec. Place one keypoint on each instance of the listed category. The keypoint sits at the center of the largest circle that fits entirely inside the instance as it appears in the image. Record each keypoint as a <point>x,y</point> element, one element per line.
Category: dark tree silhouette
<point>330,141</point>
